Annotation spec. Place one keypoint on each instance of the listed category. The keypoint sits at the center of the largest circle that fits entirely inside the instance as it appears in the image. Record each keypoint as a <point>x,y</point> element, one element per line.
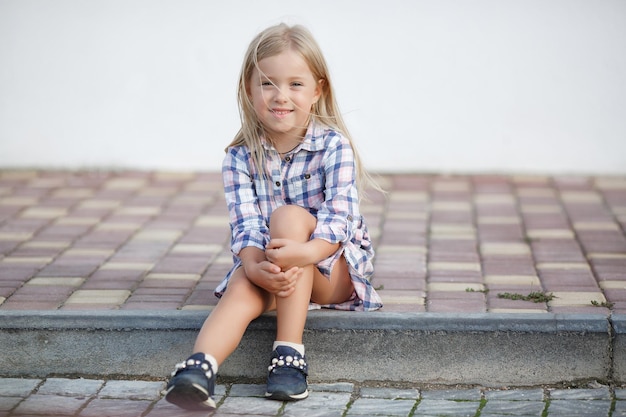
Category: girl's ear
<point>319,88</point>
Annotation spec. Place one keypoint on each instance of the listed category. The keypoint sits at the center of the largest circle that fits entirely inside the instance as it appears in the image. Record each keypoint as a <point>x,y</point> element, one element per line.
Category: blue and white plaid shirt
<point>318,175</point>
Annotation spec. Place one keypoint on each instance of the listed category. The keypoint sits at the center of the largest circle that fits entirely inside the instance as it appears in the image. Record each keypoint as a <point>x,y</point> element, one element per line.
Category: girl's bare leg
<point>295,223</point>
<point>336,290</point>
<point>224,328</point>
<point>243,301</point>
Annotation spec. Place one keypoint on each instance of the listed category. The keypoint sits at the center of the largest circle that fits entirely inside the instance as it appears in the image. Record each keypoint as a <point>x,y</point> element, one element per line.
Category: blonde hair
<point>273,41</point>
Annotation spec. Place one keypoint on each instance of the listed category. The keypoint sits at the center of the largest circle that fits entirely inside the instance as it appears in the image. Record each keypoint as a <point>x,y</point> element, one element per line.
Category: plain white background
<point>532,86</point>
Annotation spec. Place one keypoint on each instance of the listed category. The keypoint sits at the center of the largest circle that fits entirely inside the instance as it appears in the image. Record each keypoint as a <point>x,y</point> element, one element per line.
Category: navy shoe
<point>192,385</point>
<point>287,375</point>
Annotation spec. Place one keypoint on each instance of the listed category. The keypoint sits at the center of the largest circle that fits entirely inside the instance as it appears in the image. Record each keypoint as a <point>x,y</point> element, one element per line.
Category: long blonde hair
<point>273,41</point>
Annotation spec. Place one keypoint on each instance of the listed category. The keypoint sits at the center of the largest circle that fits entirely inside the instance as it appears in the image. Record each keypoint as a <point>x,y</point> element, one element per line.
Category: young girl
<point>292,180</point>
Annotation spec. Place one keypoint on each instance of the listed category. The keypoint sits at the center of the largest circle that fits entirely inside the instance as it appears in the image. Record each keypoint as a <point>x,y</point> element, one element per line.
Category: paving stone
<point>411,292</point>
<point>563,266</point>
<point>59,281</point>
<point>453,394</point>
<point>132,390</point>
<point>43,213</point>
<point>29,305</point>
<point>455,305</point>
<point>247,390</point>
<point>173,276</point>
<point>390,393</point>
<point>580,394</point>
<point>620,393</point>
<point>320,400</point>
<point>250,406</point>
<point>35,261</point>
<point>515,395</point>
<point>41,405</point>
<point>620,409</point>
<point>70,387</point>
<point>88,252</point>
<point>447,408</point>
<point>18,387</point>
<point>98,297</point>
<point>125,183</point>
<point>381,407</point>
<point>9,403</point>
<point>332,387</point>
<point>455,276</point>
<point>299,412</point>
<point>508,268</point>
<point>572,408</point>
<point>97,284</point>
<point>513,280</point>
<point>550,234</point>
<point>100,407</point>
<point>517,310</point>
<point>127,266</point>
<point>505,249</point>
<point>570,298</point>
<point>512,408</point>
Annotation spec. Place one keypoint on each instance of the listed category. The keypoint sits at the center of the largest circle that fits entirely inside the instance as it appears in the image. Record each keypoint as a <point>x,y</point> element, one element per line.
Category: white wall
<point>430,85</point>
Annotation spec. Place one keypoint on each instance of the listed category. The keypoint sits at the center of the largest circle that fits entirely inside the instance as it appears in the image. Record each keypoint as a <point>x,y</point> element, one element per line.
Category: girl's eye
<point>296,84</point>
<point>266,83</point>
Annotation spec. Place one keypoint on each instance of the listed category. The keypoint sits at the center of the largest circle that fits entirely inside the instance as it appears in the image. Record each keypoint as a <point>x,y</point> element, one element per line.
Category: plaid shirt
<point>318,175</point>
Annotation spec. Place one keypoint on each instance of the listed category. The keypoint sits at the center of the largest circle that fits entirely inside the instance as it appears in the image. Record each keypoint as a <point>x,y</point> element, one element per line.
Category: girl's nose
<point>279,96</point>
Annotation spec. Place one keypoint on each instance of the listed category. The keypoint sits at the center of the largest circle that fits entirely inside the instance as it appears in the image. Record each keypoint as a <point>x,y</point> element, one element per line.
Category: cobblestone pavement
<point>116,398</point>
<point>158,240</point>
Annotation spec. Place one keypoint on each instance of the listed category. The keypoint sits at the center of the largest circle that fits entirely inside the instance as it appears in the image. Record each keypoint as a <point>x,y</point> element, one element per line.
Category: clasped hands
<point>279,272</point>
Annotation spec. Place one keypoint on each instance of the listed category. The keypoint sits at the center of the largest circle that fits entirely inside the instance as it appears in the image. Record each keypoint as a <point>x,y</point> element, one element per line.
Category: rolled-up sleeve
<point>247,224</point>
<point>337,214</point>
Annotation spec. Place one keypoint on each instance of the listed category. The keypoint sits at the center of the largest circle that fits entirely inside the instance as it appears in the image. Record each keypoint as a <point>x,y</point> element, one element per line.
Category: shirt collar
<point>313,138</point>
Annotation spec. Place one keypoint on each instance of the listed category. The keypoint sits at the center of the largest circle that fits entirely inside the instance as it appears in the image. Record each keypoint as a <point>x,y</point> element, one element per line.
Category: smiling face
<point>283,90</point>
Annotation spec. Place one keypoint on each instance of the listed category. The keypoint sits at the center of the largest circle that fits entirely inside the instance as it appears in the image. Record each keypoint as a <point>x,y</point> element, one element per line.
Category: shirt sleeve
<point>247,224</point>
<point>337,214</point>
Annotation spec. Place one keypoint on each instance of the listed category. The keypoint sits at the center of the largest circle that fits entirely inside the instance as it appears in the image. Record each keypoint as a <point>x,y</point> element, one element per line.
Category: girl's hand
<point>272,279</point>
<point>286,253</point>
<point>292,275</point>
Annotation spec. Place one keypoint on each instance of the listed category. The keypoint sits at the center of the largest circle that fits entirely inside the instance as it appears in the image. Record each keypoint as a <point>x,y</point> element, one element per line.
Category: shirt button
<point>349,218</point>
<point>287,158</point>
<point>277,183</point>
<point>307,176</point>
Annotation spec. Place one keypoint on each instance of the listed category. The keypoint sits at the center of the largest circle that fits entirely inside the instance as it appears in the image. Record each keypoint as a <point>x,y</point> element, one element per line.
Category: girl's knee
<point>291,221</point>
<point>288,211</point>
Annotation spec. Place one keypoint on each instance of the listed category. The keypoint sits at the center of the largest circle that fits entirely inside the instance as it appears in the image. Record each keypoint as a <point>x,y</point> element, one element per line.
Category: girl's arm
<point>288,253</point>
<point>339,215</point>
<point>247,224</point>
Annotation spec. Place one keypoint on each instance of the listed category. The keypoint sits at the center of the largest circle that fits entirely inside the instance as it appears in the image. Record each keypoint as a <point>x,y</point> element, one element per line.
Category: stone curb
<point>487,349</point>
<point>320,320</point>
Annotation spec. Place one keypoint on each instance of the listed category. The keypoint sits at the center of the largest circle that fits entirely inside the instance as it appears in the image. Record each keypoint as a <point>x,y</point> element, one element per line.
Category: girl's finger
<point>275,244</point>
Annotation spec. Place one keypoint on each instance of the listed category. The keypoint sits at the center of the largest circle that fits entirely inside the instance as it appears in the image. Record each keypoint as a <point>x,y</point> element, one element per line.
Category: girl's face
<point>283,91</point>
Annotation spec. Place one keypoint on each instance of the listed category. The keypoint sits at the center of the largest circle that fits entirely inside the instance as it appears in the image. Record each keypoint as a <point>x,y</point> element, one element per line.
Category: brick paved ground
<point>111,398</point>
<point>157,240</point>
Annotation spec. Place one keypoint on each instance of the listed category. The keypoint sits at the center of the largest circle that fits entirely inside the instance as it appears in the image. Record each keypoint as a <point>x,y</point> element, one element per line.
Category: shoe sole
<point>283,396</point>
<point>190,397</point>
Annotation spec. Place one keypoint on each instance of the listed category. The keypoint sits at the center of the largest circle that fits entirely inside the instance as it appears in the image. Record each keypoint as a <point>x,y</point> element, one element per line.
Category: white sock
<point>210,359</point>
<point>299,348</point>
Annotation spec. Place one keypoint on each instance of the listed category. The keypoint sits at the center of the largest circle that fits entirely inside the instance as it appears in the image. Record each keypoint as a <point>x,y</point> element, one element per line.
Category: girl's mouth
<point>280,113</point>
